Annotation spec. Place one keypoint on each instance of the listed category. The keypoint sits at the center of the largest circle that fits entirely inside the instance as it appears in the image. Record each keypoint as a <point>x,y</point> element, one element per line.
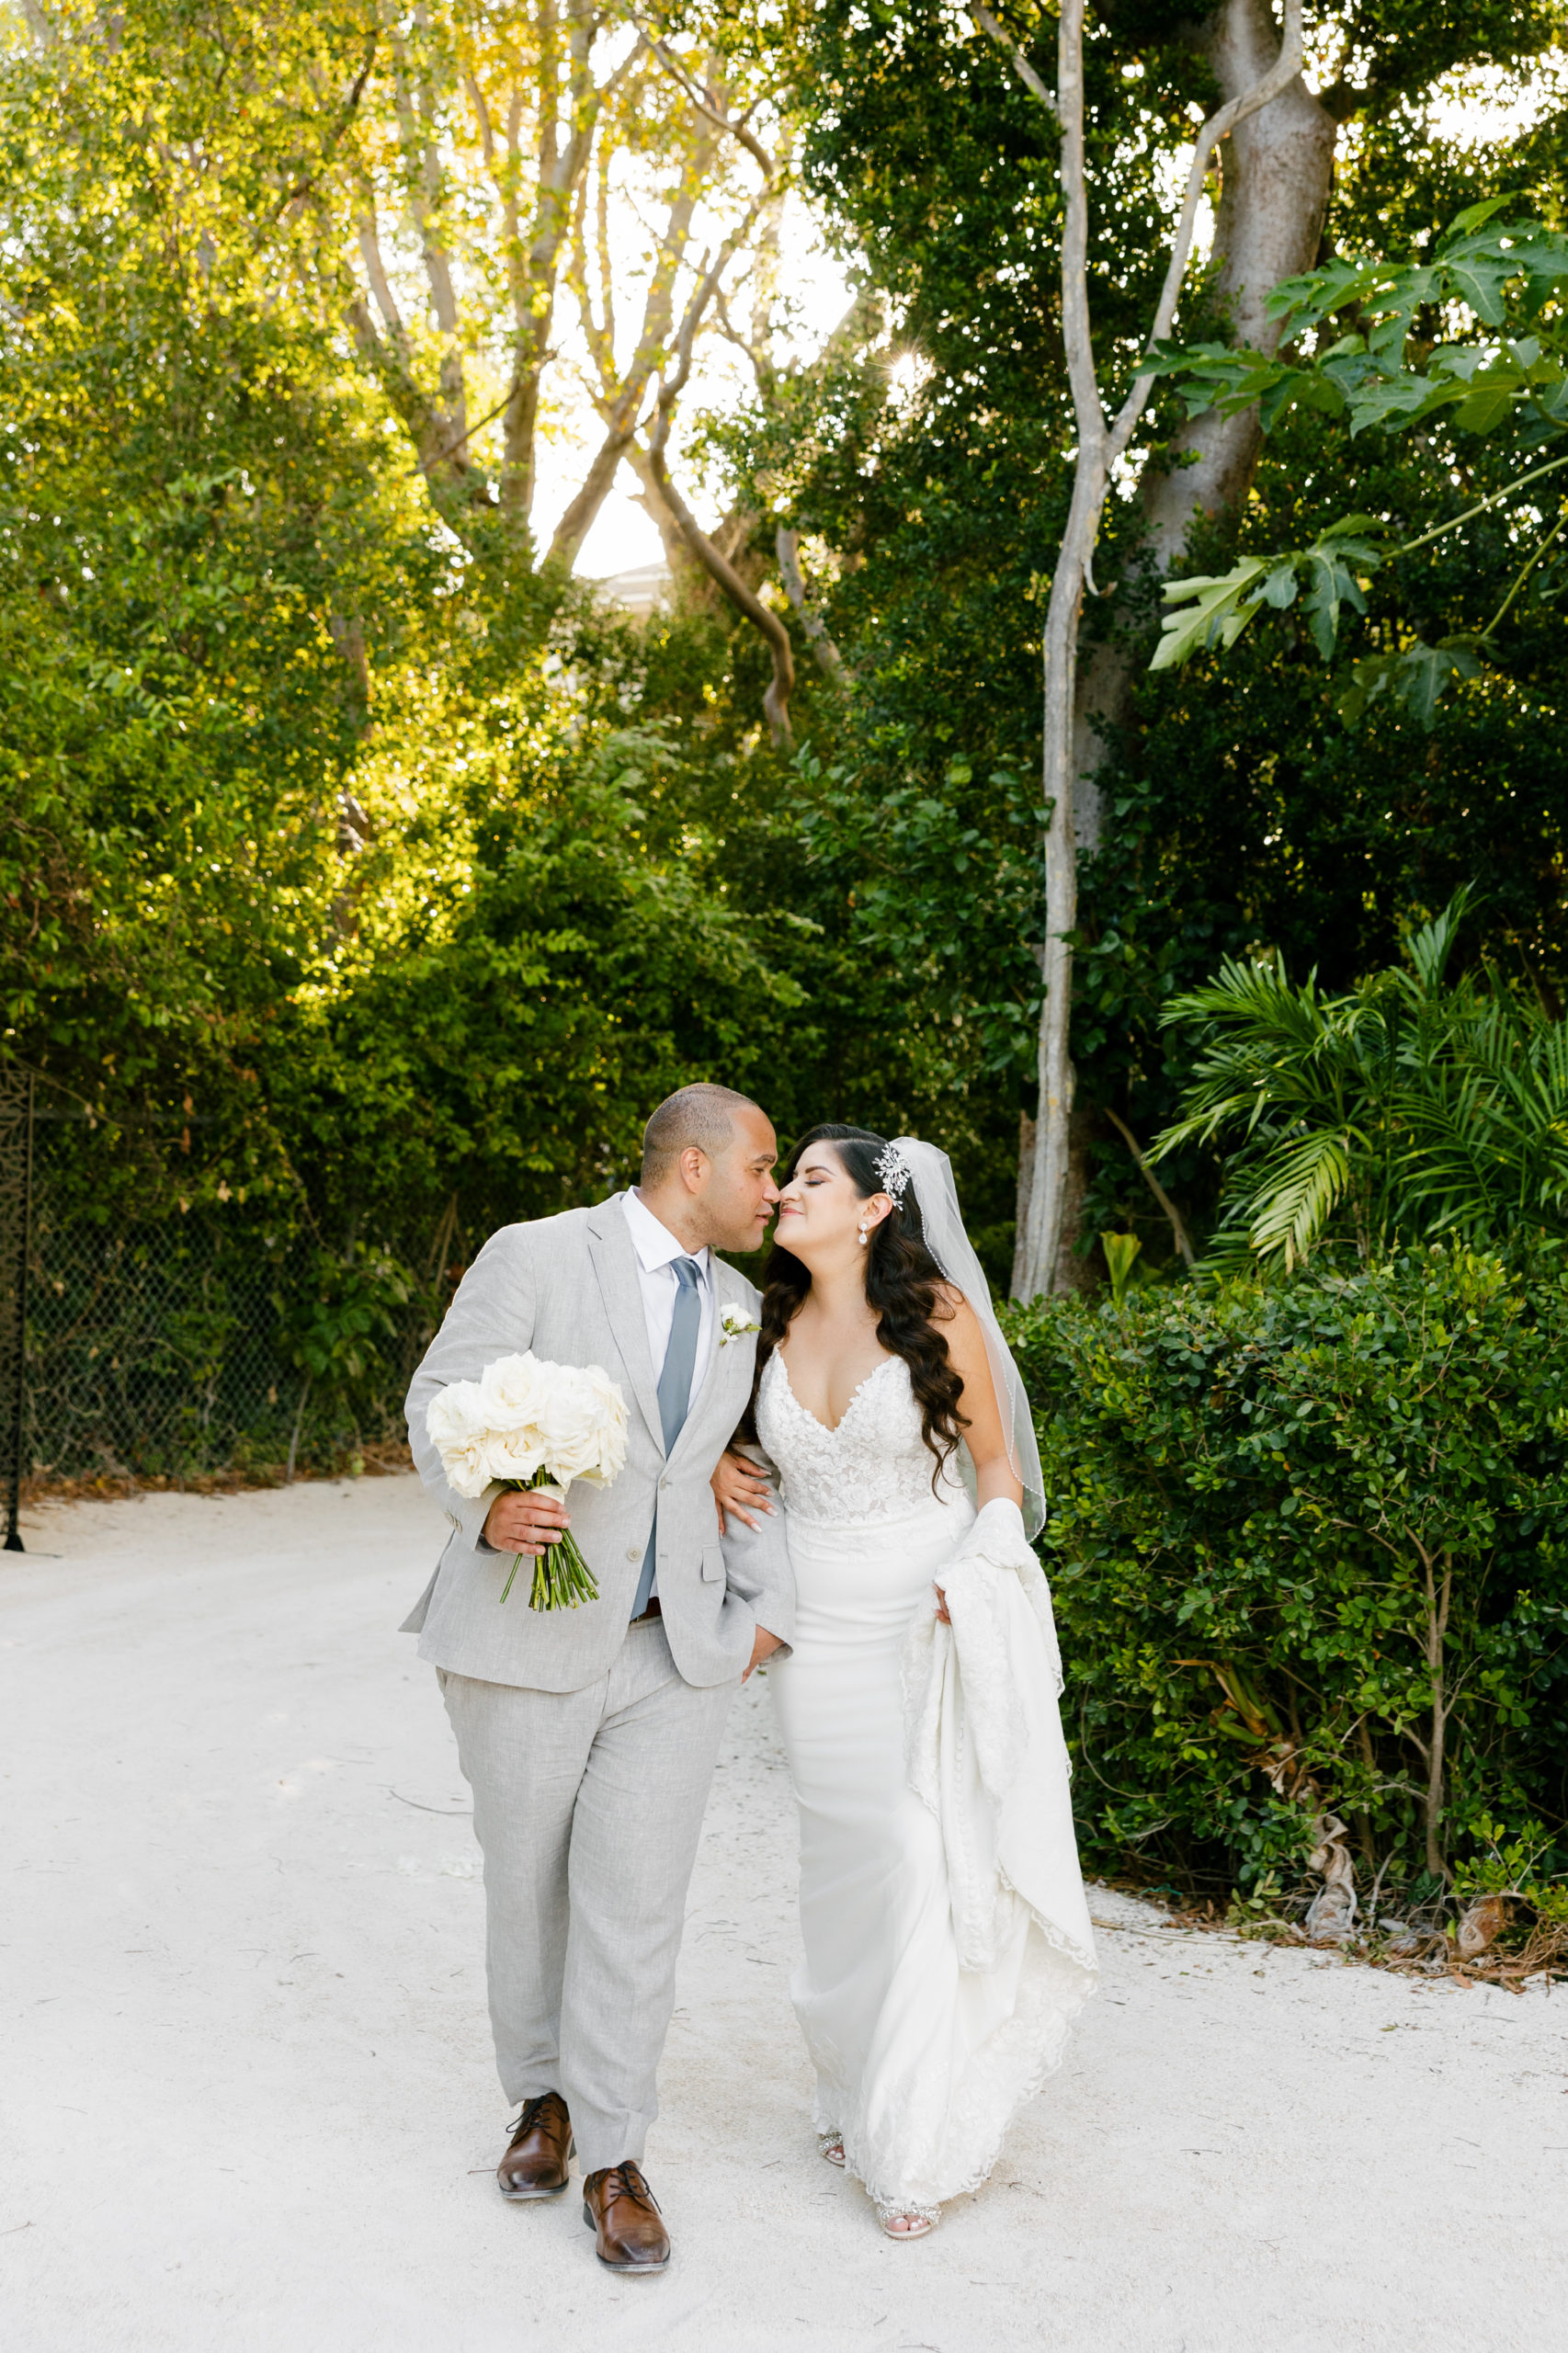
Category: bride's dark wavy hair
<point>903,1284</point>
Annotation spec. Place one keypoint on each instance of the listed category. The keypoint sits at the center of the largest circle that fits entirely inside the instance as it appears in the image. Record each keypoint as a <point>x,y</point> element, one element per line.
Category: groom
<point>589,1735</point>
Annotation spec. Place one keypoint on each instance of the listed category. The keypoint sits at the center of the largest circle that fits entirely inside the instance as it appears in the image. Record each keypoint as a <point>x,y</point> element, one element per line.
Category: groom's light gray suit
<point>590,1743</point>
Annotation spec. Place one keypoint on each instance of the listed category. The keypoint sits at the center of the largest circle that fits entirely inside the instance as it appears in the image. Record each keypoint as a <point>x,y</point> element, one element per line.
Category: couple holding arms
<point>794,1491</point>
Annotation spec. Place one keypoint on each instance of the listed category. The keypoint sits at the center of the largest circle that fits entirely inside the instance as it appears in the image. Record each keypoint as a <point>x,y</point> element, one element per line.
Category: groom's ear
<point>694,1166</point>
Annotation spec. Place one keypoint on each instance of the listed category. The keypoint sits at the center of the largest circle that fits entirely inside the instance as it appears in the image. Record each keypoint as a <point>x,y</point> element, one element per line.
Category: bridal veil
<point>937,1197</point>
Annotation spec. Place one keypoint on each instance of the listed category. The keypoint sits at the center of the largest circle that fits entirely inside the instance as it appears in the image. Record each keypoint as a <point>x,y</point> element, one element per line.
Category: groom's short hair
<point>702,1115</point>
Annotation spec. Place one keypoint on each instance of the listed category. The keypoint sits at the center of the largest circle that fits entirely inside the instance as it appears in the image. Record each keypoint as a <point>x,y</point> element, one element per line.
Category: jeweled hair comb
<point>895,1173</point>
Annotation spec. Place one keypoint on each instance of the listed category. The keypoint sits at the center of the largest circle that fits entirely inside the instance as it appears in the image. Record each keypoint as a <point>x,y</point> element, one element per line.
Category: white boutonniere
<point>734,1324</point>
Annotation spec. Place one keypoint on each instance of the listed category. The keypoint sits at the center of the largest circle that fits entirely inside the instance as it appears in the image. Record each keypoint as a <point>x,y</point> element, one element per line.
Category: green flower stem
<point>561,1577</point>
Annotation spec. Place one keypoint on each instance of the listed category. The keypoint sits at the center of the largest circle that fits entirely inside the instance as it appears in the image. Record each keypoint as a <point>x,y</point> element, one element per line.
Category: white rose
<point>456,1414</point>
<point>515,1452</point>
<point>606,1395</point>
<point>515,1390</point>
<point>467,1468</point>
<point>455,1420</point>
<point>570,1423</point>
<point>612,1427</point>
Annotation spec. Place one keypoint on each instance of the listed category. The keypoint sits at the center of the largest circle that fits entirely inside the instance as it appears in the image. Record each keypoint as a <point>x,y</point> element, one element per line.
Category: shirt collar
<point>654,1243</point>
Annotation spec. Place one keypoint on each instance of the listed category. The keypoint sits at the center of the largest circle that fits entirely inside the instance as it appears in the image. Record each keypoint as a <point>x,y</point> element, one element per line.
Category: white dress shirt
<point>657,1250</point>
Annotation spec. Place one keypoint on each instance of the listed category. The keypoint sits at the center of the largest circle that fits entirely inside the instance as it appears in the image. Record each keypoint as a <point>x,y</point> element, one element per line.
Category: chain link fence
<point>162,1351</point>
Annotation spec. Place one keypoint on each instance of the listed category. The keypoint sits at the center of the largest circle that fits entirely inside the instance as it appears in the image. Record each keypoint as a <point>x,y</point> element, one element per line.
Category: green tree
<point>927,471</point>
<point>197,534</point>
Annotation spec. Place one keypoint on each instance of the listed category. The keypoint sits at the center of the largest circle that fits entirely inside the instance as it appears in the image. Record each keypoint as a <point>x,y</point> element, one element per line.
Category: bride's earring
<point>862,1237</point>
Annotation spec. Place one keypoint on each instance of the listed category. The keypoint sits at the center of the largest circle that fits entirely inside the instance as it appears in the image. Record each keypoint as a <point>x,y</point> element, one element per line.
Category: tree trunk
<point>1077,1269</point>
<point>1040,1219</point>
<point>1438,1598</point>
<point>1021,1227</point>
<point>1276,171</point>
<point>1072,1273</point>
<point>294,1433</point>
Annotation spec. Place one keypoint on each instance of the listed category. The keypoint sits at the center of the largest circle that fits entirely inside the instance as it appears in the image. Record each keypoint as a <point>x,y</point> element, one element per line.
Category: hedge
<point>1309,1548</point>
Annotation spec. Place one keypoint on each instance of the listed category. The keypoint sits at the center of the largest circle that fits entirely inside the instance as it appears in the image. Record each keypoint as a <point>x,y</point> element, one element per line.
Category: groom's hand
<point>524,1522</point>
<point>763,1646</point>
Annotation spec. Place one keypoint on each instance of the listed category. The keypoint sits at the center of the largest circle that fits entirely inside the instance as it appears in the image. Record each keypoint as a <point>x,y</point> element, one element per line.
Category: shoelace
<point>531,2112</point>
<point>625,2181</point>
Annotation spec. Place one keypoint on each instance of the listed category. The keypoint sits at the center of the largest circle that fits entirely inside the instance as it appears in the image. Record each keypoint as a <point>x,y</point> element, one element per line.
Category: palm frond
<point>1414,1104</point>
<point>1296,1193</point>
<point>1430,947</point>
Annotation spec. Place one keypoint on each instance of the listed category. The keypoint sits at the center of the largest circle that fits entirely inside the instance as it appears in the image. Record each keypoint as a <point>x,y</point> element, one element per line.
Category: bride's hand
<point>739,1489</point>
<point>942,1617</point>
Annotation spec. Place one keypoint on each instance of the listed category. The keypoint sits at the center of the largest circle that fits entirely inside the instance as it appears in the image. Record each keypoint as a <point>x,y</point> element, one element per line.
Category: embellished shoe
<point>919,2222</point>
<point>831,2146</point>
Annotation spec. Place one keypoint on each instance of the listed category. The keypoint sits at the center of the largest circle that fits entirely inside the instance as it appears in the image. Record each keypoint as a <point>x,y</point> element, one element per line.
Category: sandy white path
<point>246,2082</point>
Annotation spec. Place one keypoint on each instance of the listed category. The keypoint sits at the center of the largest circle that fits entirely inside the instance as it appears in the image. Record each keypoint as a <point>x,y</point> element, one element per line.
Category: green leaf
<point>1121,1250</point>
<point>1219,610</point>
<point>1475,214</point>
<point>1416,677</point>
<point>1426,671</point>
<point>1332,583</point>
<point>1487,407</point>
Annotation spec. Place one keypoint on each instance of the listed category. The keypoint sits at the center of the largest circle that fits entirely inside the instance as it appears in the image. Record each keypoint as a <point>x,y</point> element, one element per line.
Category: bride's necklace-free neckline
<point>832,1428</point>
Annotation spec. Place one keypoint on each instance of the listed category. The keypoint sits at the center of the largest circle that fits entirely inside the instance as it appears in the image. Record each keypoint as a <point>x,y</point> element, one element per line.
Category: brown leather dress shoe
<point>623,2213</point>
<point>535,2162</point>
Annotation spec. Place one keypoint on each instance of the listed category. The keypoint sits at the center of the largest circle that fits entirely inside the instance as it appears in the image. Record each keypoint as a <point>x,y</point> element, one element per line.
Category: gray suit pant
<point>589,1805</point>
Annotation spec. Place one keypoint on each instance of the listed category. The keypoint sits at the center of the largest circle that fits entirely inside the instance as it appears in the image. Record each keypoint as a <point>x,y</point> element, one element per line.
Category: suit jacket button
<point>631,1552</point>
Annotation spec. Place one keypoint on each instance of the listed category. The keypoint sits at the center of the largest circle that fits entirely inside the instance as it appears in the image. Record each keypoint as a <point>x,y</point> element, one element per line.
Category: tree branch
<point>488,419</point>
<point>533,270</point>
<point>303,187</point>
<point>776,702</point>
<point>1158,1190</point>
<point>735,127</point>
<point>622,416</point>
<point>1009,48</point>
<point>788,544</point>
<point>381,285</point>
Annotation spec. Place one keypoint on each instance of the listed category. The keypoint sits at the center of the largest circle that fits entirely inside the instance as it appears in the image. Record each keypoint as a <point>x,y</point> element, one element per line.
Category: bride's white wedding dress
<point>926,2034</point>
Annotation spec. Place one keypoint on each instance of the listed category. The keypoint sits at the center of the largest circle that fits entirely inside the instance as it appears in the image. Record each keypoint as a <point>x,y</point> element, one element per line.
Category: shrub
<point>1308,1549</point>
<point>1413,1108</point>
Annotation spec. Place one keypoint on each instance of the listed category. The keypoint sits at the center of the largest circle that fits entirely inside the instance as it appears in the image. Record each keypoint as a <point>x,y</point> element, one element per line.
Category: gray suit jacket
<point>567,1287</point>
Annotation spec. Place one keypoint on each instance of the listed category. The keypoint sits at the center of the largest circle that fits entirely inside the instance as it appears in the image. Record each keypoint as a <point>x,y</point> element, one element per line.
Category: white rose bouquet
<point>530,1423</point>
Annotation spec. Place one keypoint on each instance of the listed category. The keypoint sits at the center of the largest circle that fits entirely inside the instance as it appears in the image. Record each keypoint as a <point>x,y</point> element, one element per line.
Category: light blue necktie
<point>675,1395</point>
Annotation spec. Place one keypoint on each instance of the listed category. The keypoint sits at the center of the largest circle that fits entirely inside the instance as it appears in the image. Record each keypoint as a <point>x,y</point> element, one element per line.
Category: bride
<point>947,1940</point>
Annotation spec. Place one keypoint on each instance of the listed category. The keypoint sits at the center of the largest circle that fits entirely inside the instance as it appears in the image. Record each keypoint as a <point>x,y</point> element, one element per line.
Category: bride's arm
<point>985,1437</point>
<point>995,1478</point>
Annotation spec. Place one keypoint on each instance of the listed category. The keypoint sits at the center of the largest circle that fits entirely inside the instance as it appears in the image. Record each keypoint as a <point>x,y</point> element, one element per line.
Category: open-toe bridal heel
<point>831,2146</point>
<point>919,2222</point>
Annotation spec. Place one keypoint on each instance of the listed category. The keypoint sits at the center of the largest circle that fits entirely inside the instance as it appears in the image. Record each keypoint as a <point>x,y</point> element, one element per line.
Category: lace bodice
<point>874,1466</point>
